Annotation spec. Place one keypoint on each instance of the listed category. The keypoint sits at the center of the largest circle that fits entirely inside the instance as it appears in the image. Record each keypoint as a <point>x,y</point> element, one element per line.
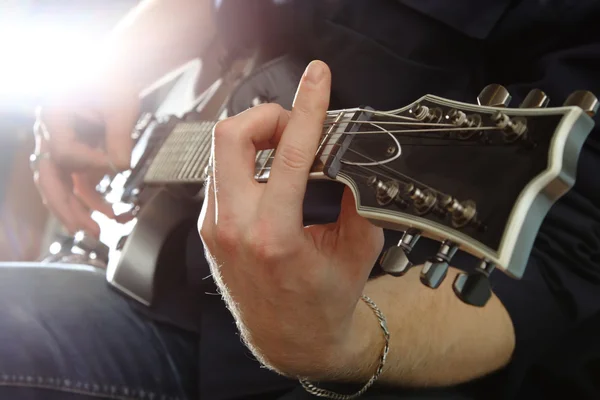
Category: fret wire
<point>329,131</point>
<point>377,173</point>
<point>193,149</point>
<point>169,154</point>
<point>199,156</point>
<point>374,112</point>
<point>271,151</point>
<point>199,144</point>
<point>183,155</point>
<point>204,142</point>
<point>187,150</point>
<point>202,160</point>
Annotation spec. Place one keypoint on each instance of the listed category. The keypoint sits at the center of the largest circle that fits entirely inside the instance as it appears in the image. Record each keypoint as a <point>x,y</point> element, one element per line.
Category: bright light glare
<point>79,235</point>
<point>55,248</point>
<point>43,57</point>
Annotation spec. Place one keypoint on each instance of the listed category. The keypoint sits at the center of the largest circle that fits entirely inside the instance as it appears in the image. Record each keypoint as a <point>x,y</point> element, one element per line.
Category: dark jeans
<point>65,334</point>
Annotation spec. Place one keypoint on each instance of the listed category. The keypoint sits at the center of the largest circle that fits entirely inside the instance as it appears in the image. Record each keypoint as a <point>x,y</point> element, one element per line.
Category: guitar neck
<point>182,158</point>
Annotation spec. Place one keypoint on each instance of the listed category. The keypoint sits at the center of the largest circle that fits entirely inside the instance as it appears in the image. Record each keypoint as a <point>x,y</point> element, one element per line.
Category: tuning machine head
<point>494,95</point>
<point>436,268</point>
<point>584,100</point>
<point>535,99</point>
<point>395,260</point>
<point>475,288</point>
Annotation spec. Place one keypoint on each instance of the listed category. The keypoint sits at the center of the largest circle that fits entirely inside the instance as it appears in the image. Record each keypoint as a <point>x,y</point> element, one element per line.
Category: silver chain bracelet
<point>316,391</point>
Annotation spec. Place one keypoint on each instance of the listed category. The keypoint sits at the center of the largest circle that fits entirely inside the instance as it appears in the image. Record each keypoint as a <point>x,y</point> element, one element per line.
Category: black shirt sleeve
<point>245,24</point>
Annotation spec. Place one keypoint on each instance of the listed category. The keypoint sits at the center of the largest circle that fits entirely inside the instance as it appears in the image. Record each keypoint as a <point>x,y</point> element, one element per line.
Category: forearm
<point>155,38</point>
<point>435,339</point>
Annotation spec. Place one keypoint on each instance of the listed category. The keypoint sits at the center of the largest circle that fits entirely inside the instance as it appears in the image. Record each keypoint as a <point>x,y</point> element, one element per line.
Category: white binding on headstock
<point>532,204</point>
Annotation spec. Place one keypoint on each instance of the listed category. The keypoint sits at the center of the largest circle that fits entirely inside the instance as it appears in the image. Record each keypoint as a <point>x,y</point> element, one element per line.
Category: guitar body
<point>134,263</point>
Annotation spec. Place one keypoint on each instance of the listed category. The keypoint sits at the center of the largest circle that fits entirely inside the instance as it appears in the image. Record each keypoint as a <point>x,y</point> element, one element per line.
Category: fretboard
<point>185,153</point>
<point>183,156</point>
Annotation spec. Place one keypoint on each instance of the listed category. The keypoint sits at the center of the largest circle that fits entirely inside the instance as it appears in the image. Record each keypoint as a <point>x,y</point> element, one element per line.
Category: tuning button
<point>435,269</point>
<point>584,100</point>
<point>395,260</point>
<point>494,95</point>
<point>535,99</point>
<point>475,288</point>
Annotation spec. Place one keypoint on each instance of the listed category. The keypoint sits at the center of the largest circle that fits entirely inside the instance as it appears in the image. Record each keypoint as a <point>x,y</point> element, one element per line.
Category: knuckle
<point>227,236</point>
<point>223,129</point>
<point>269,109</point>
<point>294,158</point>
<point>264,245</point>
<point>204,229</point>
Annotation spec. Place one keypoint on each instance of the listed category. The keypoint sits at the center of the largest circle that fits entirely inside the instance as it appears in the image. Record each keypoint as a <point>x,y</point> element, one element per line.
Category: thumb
<point>359,238</point>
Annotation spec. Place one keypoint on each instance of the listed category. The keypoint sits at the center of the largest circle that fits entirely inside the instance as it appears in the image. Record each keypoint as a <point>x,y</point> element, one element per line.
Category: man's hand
<point>293,290</point>
<point>154,38</point>
<point>68,175</point>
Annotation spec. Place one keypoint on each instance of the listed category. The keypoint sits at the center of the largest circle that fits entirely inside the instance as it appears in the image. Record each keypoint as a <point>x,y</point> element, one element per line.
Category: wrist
<point>358,354</point>
<point>365,343</point>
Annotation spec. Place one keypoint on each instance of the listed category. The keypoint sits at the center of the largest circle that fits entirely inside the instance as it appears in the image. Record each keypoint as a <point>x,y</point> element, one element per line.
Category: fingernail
<point>314,72</point>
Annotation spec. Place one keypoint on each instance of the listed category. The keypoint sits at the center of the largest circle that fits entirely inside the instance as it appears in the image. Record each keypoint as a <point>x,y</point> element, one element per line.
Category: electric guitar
<point>476,177</point>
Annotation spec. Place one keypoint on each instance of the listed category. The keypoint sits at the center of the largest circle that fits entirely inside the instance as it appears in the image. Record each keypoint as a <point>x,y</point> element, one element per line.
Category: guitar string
<point>335,113</point>
<point>393,171</point>
<point>458,129</point>
<point>382,166</point>
<point>333,123</point>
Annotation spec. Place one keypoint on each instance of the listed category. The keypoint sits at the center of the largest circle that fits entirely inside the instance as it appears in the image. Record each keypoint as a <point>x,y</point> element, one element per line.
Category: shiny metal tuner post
<point>584,100</point>
<point>535,99</point>
<point>475,288</point>
<point>385,192</point>
<point>435,269</point>
<point>423,200</point>
<point>494,95</point>
<point>395,260</point>
<point>513,128</point>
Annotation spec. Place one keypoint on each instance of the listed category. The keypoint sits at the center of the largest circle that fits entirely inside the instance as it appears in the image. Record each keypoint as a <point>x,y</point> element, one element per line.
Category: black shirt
<point>386,54</point>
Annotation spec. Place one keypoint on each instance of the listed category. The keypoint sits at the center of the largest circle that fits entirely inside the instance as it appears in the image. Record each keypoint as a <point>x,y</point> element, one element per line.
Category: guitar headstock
<point>479,178</point>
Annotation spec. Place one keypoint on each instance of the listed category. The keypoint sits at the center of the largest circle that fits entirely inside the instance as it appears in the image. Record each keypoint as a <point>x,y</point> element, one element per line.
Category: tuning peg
<point>584,100</point>
<point>475,288</point>
<point>385,192</point>
<point>435,269</point>
<point>494,95</point>
<point>395,260</point>
<point>535,99</point>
